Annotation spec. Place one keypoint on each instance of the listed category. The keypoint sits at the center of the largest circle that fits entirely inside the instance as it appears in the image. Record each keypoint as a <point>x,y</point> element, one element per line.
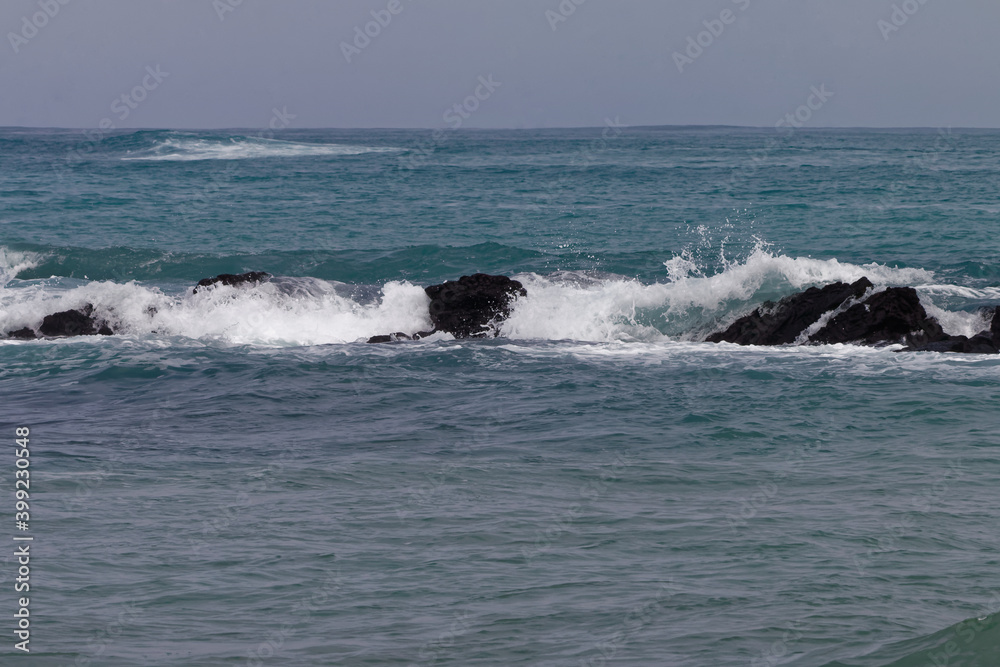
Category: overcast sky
<point>550,63</point>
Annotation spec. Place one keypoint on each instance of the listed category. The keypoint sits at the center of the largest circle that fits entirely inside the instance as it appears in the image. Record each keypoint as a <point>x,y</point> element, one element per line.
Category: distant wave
<point>560,306</point>
<point>184,149</point>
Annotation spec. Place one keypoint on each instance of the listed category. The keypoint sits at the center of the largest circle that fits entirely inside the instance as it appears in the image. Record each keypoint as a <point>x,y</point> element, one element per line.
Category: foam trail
<point>191,149</point>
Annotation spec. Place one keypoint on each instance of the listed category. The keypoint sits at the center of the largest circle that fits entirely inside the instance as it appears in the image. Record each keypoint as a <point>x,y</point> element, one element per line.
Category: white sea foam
<point>190,148</point>
<point>612,309</point>
<point>265,315</point>
<point>957,323</point>
<point>12,262</point>
<point>564,306</point>
<point>961,291</point>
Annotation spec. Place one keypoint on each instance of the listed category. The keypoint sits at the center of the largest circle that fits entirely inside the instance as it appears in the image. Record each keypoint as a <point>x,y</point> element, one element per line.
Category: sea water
<point>237,478</point>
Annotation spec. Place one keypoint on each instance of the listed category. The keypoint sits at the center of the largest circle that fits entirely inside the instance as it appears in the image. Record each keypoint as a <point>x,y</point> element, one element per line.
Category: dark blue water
<point>236,477</point>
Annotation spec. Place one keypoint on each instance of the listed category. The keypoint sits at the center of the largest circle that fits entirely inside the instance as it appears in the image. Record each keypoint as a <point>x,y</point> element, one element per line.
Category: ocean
<point>237,478</point>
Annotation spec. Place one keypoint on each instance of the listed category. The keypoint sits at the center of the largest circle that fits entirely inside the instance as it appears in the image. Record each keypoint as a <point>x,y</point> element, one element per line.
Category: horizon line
<point>493,129</point>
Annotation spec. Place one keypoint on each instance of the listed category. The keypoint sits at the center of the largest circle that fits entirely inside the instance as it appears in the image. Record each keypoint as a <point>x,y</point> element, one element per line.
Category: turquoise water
<point>237,478</point>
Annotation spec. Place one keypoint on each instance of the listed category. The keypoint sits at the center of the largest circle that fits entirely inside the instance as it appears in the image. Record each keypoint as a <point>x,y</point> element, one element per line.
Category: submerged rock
<point>782,323</point>
<point>24,334</point>
<point>74,323</point>
<point>391,338</point>
<point>978,344</point>
<point>473,305</point>
<point>251,278</point>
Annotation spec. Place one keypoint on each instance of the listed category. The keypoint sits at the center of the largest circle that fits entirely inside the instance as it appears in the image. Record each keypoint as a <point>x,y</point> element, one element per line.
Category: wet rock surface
<point>24,334</point>
<point>470,307</point>
<point>74,323</point>
<point>782,323</point>
<point>473,305</point>
<point>892,316</point>
<point>250,278</point>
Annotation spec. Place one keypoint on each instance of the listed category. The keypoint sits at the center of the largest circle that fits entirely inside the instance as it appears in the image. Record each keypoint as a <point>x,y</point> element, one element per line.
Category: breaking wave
<point>560,306</point>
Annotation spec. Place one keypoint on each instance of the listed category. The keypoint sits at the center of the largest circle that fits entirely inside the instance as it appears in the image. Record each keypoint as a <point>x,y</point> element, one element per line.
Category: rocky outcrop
<point>473,305</point>
<point>985,342</point>
<point>470,307</point>
<point>892,316</point>
<point>74,323</point>
<point>782,323</point>
<point>250,278</point>
<point>24,334</point>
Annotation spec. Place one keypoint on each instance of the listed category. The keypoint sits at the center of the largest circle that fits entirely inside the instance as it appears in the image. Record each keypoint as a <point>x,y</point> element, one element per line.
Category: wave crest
<point>184,149</point>
<point>561,306</point>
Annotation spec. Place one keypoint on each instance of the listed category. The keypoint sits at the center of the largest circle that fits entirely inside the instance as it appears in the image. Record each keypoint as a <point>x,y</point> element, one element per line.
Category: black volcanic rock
<point>24,334</point>
<point>985,342</point>
<point>892,316</point>
<point>74,323</point>
<point>235,280</point>
<point>782,323</point>
<point>470,306</point>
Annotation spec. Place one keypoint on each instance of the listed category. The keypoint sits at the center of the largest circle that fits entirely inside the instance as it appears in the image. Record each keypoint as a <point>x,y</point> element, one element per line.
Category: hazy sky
<point>233,63</point>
